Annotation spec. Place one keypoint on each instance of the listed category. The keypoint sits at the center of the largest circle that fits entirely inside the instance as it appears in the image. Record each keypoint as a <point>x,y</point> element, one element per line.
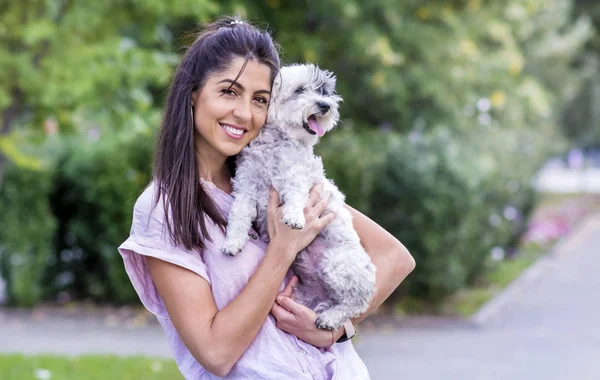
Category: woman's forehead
<point>255,76</point>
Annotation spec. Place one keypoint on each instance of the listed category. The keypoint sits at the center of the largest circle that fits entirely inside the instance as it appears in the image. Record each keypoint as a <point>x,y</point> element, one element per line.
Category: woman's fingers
<point>289,304</point>
<point>322,204</point>
<point>273,205</point>
<point>281,314</point>
<point>289,288</point>
<point>273,200</point>
<point>325,220</point>
<point>315,194</point>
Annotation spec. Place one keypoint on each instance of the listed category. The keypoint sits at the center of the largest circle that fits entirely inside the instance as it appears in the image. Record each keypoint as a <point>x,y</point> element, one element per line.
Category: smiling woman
<point>216,310</point>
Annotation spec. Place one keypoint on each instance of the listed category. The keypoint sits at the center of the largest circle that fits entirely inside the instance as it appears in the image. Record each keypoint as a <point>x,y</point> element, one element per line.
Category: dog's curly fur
<point>336,276</point>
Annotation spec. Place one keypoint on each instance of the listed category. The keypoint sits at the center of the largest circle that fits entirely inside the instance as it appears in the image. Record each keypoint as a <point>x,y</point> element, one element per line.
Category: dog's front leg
<point>241,215</point>
<point>294,195</point>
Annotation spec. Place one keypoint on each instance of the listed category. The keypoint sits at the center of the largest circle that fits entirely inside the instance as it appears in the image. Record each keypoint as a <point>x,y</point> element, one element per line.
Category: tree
<point>65,62</point>
<point>458,64</point>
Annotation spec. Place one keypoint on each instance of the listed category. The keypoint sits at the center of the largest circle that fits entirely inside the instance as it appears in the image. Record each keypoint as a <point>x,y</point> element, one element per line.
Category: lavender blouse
<point>274,354</point>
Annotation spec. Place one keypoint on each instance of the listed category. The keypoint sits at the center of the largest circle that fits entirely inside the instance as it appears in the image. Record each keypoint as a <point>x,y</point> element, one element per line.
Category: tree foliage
<point>71,61</point>
<point>426,65</point>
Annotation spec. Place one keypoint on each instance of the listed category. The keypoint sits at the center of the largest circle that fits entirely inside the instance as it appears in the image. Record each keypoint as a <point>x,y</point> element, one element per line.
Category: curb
<point>492,308</point>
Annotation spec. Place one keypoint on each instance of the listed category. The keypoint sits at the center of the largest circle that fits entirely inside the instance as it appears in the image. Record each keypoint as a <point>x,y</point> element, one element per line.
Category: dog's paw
<point>294,219</point>
<point>329,321</point>
<point>322,307</point>
<point>232,247</point>
<point>294,224</point>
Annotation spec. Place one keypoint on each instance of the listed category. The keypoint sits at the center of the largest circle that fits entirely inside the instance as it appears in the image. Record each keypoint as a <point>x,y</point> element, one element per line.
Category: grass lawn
<point>467,301</point>
<point>47,367</point>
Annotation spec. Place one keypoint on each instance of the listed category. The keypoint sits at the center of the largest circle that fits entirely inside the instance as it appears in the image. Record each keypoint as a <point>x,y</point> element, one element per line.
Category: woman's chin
<point>233,150</point>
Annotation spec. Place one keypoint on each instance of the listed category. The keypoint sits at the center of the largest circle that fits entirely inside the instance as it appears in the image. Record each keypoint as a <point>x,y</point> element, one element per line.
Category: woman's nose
<point>242,111</point>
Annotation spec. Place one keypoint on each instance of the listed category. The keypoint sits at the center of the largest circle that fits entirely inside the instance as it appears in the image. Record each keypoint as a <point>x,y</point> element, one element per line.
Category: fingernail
<point>279,299</point>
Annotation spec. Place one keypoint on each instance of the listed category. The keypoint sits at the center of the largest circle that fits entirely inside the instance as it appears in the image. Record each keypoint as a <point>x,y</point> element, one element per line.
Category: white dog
<point>336,276</point>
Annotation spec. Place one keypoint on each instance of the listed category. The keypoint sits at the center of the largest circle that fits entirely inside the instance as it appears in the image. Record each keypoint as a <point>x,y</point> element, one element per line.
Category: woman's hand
<point>298,320</point>
<point>298,239</point>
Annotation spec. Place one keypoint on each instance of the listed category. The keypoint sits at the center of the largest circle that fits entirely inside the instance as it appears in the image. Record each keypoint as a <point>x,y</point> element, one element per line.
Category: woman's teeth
<point>233,131</point>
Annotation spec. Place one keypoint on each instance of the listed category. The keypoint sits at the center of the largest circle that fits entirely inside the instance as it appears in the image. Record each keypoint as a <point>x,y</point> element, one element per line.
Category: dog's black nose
<point>324,107</point>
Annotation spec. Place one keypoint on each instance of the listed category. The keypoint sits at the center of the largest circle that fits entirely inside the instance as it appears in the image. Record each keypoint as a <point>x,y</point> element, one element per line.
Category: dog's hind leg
<point>350,287</point>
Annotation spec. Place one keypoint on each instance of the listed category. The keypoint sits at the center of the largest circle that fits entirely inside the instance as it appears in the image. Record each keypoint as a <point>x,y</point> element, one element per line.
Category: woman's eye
<point>261,100</point>
<point>228,91</point>
<point>299,90</point>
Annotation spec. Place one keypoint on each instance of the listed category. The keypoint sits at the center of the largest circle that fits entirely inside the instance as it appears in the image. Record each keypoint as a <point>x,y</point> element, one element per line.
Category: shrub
<point>27,233</point>
<point>97,186</point>
<point>451,199</point>
<point>349,157</point>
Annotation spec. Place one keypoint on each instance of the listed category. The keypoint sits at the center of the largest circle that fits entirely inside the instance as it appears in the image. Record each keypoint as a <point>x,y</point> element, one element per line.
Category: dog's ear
<point>331,82</point>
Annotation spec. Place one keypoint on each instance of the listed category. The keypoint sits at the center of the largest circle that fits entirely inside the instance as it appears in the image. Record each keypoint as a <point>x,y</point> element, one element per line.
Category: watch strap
<point>349,332</point>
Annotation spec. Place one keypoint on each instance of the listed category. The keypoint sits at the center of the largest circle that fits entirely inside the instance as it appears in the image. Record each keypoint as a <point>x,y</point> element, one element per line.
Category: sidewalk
<point>545,326</point>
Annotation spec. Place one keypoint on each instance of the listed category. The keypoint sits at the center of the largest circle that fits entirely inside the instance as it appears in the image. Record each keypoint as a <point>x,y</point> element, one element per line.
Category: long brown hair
<point>175,170</point>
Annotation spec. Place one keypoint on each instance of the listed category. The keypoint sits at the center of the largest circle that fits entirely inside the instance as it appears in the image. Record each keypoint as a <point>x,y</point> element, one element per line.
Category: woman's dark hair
<point>175,171</point>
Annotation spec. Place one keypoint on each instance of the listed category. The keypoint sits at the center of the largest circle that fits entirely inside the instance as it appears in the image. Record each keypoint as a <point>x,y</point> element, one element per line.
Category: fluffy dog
<point>336,276</point>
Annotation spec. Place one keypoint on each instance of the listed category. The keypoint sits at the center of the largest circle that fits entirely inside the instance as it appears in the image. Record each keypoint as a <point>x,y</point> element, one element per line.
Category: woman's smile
<point>233,131</point>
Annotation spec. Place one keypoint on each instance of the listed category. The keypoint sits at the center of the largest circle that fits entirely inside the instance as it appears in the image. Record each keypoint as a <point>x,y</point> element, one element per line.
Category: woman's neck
<point>214,170</point>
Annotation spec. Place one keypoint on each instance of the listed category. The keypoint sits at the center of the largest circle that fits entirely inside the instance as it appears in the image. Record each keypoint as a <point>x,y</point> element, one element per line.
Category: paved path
<point>548,327</point>
<point>563,180</point>
<point>545,326</point>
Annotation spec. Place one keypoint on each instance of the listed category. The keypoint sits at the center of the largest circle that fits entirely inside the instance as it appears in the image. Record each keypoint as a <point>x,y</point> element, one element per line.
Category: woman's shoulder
<point>147,199</point>
<point>152,212</point>
<point>148,211</point>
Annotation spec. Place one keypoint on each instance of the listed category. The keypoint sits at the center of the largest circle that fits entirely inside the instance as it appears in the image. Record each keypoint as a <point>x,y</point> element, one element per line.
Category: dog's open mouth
<point>313,127</point>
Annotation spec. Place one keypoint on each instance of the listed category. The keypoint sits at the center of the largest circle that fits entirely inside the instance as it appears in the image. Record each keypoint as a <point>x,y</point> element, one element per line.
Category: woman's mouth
<point>233,132</point>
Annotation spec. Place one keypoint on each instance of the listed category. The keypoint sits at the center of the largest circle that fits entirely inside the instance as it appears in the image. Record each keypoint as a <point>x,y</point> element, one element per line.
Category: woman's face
<point>226,117</point>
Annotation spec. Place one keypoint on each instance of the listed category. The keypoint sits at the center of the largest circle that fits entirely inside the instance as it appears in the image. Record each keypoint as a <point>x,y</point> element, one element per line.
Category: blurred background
<point>470,131</point>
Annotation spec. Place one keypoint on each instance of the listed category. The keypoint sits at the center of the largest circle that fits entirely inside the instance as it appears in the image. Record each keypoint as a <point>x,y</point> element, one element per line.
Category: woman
<point>224,316</point>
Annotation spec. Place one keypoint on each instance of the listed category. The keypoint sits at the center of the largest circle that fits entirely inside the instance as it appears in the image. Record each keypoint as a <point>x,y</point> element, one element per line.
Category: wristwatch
<point>349,332</point>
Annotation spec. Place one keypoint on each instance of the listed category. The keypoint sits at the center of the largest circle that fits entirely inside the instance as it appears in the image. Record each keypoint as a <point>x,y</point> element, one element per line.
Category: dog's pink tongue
<point>312,124</point>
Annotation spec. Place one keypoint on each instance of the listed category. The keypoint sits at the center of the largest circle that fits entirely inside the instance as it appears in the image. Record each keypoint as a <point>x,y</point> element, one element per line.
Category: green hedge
<point>61,227</point>
<point>95,190</point>
<point>350,157</point>
<point>27,233</point>
<point>451,199</point>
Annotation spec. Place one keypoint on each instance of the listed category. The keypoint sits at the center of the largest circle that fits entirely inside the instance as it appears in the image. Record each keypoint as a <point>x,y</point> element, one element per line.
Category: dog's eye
<point>299,90</point>
<point>323,91</point>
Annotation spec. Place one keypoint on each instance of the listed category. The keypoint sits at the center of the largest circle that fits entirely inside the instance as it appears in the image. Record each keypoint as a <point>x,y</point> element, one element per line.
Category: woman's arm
<point>393,262</point>
<point>217,338</point>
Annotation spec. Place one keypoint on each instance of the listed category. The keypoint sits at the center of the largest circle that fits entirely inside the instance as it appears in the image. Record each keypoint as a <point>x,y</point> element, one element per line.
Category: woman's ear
<point>195,97</point>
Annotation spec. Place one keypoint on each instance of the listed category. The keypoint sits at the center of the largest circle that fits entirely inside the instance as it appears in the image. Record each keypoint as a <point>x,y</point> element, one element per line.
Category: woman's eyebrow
<point>234,83</point>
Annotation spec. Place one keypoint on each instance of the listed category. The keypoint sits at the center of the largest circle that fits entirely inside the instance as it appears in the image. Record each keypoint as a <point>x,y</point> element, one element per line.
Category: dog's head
<point>304,103</point>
